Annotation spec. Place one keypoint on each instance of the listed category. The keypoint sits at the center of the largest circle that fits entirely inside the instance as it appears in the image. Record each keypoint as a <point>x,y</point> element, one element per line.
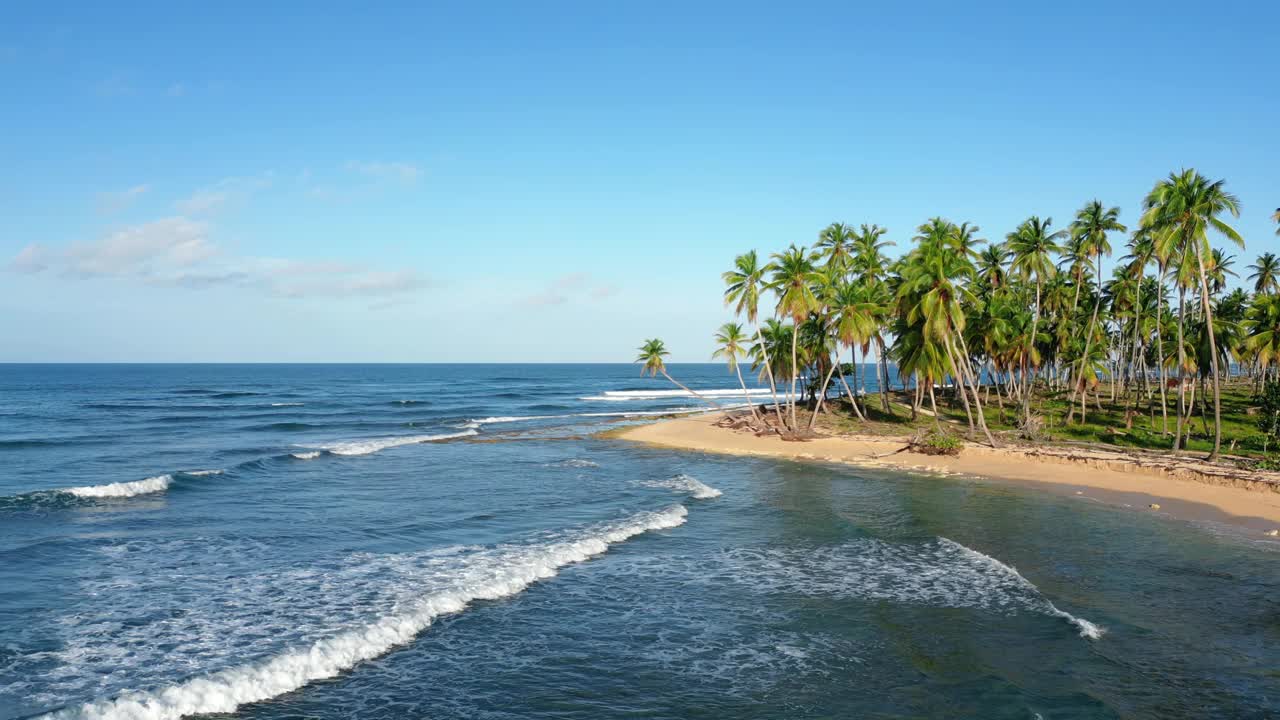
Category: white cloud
<point>578,285</point>
<point>222,194</point>
<point>178,252</point>
<point>114,202</point>
<point>151,247</point>
<point>401,171</point>
<point>30,259</point>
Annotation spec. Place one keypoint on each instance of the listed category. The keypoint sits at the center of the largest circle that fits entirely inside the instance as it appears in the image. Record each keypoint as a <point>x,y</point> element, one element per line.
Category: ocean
<point>456,541</point>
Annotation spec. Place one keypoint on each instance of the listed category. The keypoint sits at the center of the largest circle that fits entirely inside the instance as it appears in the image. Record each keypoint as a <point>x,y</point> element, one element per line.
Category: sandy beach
<point>1182,488</point>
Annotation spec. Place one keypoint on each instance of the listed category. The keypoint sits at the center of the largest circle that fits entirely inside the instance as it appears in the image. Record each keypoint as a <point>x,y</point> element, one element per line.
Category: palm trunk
<point>823,395</point>
<point>768,368</point>
<point>853,401</point>
<point>977,401</point>
<point>933,403</point>
<point>694,393</point>
<point>883,369</point>
<point>956,374</point>
<point>795,370</point>
<point>1182,353</point>
<point>1026,395</point>
<point>1164,400</point>
<point>746,394</point>
<point>1213,355</point>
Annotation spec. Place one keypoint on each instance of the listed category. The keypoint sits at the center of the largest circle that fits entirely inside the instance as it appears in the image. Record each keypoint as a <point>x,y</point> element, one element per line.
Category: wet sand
<point>1249,501</point>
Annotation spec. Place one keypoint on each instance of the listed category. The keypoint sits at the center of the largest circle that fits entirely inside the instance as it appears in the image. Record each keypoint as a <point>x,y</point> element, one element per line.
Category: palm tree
<point>653,355</point>
<point>835,246</point>
<point>1263,321</point>
<point>1266,273</point>
<point>1090,229</point>
<point>730,345</point>
<point>1031,245</point>
<point>792,279</point>
<point>742,290</point>
<point>871,267</point>
<point>1275,217</point>
<point>857,317</point>
<point>1180,210</point>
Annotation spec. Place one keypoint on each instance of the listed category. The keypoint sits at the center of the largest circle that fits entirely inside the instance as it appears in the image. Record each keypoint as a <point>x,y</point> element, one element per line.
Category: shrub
<point>1269,413</point>
<point>936,442</point>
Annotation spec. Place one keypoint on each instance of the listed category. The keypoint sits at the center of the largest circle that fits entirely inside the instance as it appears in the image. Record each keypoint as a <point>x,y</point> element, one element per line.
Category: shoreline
<point>1183,489</point>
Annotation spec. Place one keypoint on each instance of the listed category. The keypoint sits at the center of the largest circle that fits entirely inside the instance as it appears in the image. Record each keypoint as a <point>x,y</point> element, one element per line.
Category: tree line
<point>1031,315</point>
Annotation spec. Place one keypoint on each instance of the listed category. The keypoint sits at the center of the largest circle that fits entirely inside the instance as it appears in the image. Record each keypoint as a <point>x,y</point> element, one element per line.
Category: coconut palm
<point>731,345</point>
<point>1031,246</point>
<point>1263,323</point>
<point>1089,230</point>
<point>793,278</point>
<point>742,291</point>
<point>870,266</point>
<point>835,246</point>
<point>857,317</point>
<point>653,354</point>
<point>1180,210</point>
<point>1266,274</point>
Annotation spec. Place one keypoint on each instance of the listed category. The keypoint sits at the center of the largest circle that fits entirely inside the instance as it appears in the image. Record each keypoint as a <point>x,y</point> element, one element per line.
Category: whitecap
<point>202,473</point>
<point>288,404</point>
<point>312,455</point>
<point>455,578</point>
<point>630,395</point>
<point>156,484</point>
<point>373,445</point>
<point>694,487</point>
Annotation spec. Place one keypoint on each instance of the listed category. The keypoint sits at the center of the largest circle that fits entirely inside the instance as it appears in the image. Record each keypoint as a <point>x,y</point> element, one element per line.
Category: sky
<point>557,181</point>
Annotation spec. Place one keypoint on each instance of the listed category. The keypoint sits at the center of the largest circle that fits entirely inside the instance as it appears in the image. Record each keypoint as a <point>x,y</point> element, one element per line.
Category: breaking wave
<point>156,484</point>
<point>940,573</point>
<point>447,582</point>
<point>685,484</point>
<point>373,445</point>
<point>629,395</point>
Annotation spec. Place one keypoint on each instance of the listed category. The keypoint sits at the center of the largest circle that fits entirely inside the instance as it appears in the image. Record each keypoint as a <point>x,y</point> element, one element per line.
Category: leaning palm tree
<point>1266,274</point>
<point>730,345</point>
<point>1090,228</point>
<point>1031,245</point>
<point>1275,217</point>
<point>653,355</point>
<point>870,266</point>
<point>742,290</point>
<point>793,278</point>
<point>1180,210</point>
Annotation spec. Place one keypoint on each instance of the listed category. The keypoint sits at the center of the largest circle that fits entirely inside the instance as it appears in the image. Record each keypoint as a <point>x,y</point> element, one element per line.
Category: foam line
<point>1087,629</point>
<point>509,573</point>
<point>156,484</point>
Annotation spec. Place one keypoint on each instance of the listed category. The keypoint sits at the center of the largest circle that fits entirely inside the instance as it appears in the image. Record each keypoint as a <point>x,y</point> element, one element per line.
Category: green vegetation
<point>1026,338</point>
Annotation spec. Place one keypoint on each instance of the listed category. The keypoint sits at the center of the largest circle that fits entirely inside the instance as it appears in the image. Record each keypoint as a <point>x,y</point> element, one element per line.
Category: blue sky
<point>493,182</point>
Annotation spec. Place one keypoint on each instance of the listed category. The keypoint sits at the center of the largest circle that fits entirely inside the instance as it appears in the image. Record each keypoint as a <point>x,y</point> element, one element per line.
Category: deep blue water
<point>453,542</point>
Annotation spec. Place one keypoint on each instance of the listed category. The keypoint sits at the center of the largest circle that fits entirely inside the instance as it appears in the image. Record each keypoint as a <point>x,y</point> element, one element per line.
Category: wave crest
<point>156,484</point>
<point>505,571</point>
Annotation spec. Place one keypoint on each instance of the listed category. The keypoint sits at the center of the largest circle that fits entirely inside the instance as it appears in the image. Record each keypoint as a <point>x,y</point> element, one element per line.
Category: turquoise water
<point>451,541</point>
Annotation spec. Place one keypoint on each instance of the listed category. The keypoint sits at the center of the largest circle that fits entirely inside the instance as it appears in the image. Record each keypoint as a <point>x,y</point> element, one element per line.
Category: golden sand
<point>1179,487</point>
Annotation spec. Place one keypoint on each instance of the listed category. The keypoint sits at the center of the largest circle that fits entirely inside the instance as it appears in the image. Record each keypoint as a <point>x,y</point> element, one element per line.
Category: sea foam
<point>373,445</point>
<point>694,487</point>
<point>156,484</point>
<point>490,575</point>
<point>940,573</point>
<point>629,395</point>
<point>1087,629</point>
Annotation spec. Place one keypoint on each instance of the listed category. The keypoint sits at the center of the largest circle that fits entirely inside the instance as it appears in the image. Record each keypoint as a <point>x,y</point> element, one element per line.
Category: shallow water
<point>401,541</point>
